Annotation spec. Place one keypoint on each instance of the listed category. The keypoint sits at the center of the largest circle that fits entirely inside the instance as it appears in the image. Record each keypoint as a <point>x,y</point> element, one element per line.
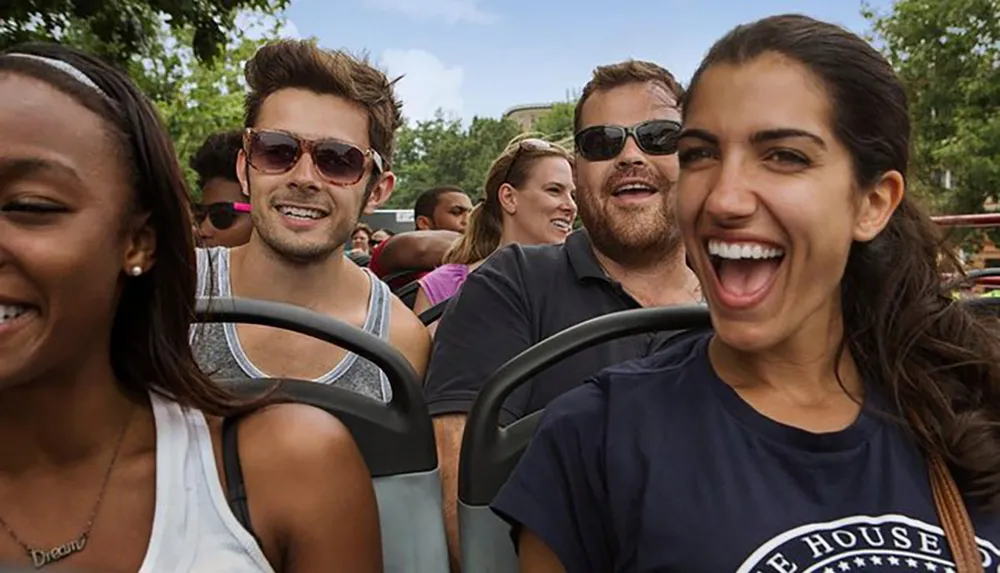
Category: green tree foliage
<point>557,123</point>
<point>186,56</point>
<point>440,151</point>
<point>117,30</point>
<point>197,98</point>
<point>948,54</point>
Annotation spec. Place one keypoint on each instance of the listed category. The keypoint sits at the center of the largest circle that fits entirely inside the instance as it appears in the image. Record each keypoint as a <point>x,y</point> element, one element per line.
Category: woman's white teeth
<point>300,212</point>
<point>11,311</point>
<point>562,225</point>
<point>743,250</point>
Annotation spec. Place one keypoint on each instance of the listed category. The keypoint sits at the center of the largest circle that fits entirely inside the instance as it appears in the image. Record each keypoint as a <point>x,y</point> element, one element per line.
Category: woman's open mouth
<point>744,270</point>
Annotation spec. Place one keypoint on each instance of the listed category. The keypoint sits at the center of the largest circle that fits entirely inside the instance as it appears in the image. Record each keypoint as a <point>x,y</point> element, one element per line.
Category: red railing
<point>977,221</point>
<point>973,221</point>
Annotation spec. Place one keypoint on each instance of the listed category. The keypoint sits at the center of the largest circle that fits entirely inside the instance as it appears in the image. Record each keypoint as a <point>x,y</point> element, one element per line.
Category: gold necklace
<point>42,557</point>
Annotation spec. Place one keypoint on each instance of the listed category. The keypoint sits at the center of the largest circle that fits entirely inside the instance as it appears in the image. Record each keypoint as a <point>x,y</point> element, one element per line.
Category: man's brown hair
<point>625,73</point>
<point>304,65</point>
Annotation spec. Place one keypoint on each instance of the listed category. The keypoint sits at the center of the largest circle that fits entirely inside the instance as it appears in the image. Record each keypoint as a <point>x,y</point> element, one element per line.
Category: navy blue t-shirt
<point>659,466</point>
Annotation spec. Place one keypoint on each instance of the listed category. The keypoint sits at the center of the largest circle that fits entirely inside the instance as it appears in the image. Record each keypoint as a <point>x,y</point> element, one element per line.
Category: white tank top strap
<point>194,531</point>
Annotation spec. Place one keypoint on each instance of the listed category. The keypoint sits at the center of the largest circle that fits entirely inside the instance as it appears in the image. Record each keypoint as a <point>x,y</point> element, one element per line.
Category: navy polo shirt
<point>659,466</point>
<point>517,298</point>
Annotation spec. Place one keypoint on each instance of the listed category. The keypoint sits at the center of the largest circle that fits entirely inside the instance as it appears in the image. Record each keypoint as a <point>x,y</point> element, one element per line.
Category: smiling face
<point>543,206</point>
<point>300,214</point>
<point>360,240</point>
<point>767,202</point>
<point>65,200</point>
<point>626,202</point>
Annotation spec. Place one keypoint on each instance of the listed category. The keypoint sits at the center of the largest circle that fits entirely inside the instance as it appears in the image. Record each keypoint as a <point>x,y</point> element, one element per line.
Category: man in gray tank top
<point>317,154</point>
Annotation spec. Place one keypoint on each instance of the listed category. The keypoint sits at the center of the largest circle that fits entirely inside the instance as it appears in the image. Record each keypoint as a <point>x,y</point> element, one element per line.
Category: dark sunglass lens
<point>221,215</point>
<point>658,137</point>
<point>340,162</point>
<point>600,143</point>
<point>273,152</point>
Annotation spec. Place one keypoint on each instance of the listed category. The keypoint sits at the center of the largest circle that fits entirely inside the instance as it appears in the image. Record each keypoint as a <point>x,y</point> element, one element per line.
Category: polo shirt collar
<point>581,256</point>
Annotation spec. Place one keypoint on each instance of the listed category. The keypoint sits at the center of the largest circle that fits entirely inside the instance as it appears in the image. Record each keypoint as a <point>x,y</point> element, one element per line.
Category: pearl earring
<point>136,270</point>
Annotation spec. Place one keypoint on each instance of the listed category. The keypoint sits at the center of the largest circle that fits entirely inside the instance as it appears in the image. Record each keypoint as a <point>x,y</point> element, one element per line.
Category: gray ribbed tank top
<point>219,353</point>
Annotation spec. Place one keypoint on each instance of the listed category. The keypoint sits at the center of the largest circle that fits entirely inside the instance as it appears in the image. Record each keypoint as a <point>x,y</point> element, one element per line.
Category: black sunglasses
<point>604,142</point>
<point>222,214</point>
<point>337,161</point>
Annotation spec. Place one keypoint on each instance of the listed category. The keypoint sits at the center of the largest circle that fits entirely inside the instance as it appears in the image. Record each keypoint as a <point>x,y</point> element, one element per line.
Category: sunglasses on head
<point>339,162</point>
<point>604,142</point>
<point>222,215</point>
<point>532,144</point>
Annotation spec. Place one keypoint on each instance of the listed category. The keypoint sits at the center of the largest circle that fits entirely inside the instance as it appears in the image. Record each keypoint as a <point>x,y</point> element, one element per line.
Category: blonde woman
<point>528,200</point>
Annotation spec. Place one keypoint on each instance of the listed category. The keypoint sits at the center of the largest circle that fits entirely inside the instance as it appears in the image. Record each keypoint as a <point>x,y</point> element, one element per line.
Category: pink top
<point>443,282</point>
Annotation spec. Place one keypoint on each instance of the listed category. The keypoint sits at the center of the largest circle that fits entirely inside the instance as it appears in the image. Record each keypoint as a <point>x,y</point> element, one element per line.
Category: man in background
<point>441,215</point>
<point>222,216</point>
<point>446,207</point>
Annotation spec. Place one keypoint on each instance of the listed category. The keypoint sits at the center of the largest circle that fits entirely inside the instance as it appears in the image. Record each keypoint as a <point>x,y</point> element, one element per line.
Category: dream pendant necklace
<point>42,557</point>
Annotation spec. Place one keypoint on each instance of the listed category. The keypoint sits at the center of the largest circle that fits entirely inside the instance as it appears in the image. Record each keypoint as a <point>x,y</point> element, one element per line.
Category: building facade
<point>526,115</point>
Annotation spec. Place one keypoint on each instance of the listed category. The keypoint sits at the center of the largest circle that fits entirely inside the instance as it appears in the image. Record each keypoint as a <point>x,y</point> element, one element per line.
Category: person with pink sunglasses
<point>222,216</point>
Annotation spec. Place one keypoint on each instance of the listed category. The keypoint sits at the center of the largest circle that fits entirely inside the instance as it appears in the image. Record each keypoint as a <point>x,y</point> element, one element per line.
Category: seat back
<point>408,293</point>
<point>433,313</point>
<point>490,453</point>
<point>393,277</point>
<point>360,259</point>
<point>395,438</point>
<point>984,305</point>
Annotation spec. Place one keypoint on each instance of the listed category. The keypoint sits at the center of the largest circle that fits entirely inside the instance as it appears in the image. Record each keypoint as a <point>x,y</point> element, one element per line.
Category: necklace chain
<point>42,557</point>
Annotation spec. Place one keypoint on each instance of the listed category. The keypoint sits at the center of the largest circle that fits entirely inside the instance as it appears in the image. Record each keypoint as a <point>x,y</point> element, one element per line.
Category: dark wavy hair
<point>149,338</point>
<point>303,64</point>
<point>216,158</point>
<point>935,358</point>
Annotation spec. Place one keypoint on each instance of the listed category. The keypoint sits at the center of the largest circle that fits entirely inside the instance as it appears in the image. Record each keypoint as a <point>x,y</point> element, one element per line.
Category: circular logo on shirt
<point>889,544</point>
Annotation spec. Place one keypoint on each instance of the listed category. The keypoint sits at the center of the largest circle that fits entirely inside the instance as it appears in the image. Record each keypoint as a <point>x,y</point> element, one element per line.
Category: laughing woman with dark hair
<point>842,392</point>
<point>111,449</point>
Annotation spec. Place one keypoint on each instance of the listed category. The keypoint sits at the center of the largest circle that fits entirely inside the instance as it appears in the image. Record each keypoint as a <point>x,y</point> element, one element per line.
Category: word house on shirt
<point>889,543</point>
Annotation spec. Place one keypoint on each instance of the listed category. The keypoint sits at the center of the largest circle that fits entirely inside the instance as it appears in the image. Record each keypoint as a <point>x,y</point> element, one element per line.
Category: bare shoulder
<point>294,431</point>
<point>409,335</point>
<point>299,446</point>
<point>306,477</point>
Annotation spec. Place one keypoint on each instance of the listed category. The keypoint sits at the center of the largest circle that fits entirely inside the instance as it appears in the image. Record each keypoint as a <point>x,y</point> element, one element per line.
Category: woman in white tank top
<point>111,436</point>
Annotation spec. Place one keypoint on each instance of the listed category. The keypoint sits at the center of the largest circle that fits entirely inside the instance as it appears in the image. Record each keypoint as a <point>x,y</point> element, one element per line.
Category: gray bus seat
<point>395,438</point>
<point>490,453</point>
